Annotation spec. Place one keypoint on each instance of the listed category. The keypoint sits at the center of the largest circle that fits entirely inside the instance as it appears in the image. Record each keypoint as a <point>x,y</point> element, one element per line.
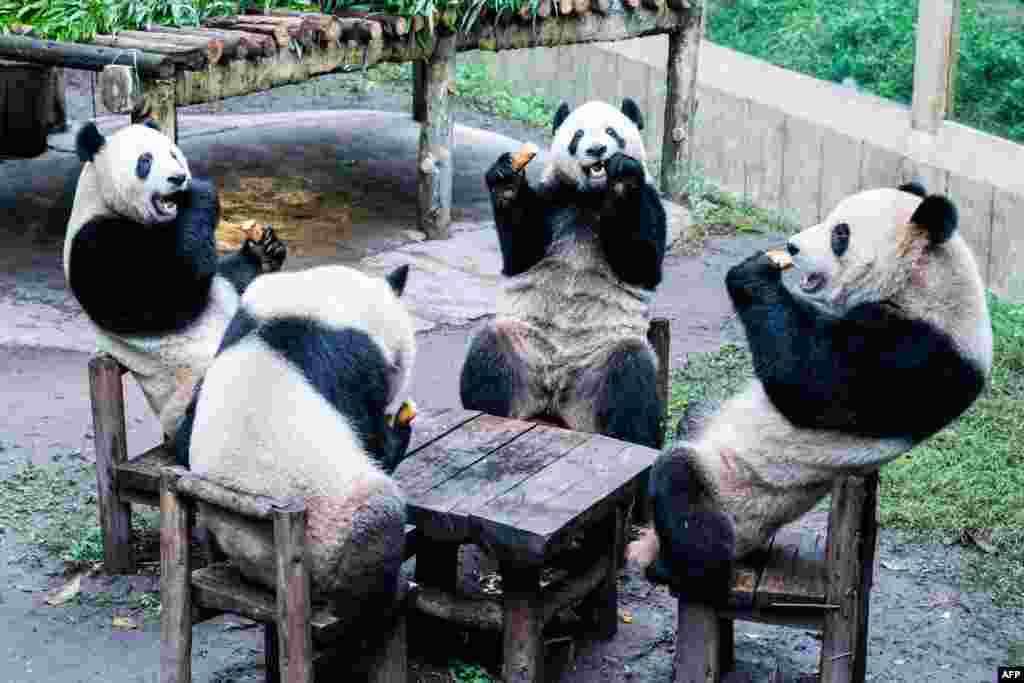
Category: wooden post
<point>523,639</point>
<point>390,663</point>
<point>159,104</point>
<point>869,548</point>
<point>295,639</point>
<point>437,140</point>
<point>659,334</point>
<point>26,105</point>
<point>419,91</point>
<point>938,40</point>
<point>681,103</point>
<point>107,396</point>
<point>844,553</point>
<point>697,654</point>
<point>175,584</point>
<point>58,118</point>
<point>606,597</point>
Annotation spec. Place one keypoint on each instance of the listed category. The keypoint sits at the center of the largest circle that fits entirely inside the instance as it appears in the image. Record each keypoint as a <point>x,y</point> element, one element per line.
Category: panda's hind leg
<point>615,394</point>
<point>696,541</point>
<point>496,377</point>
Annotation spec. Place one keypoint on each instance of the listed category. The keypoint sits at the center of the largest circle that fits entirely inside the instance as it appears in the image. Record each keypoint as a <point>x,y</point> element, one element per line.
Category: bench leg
<point>271,652</point>
<point>437,565</point>
<point>698,654</point>
<point>110,437</point>
<point>523,641</point>
<point>175,586</point>
<point>389,664</point>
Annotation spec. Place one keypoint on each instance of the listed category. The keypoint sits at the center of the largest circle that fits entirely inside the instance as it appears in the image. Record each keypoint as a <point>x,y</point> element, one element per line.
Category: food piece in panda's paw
<point>780,258</point>
<point>524,156</point>
<point>406,413</point>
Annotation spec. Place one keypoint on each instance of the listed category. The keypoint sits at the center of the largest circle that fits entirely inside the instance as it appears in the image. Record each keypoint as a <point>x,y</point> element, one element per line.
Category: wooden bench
<point>815,573</point>
<point>293,624</point>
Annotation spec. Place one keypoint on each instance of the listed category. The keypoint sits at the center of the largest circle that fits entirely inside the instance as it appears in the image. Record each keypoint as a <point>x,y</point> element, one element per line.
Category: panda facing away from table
<point>296,404</point>
<point>140,258</point>
<point>878,338</point>
<point>582,256</point>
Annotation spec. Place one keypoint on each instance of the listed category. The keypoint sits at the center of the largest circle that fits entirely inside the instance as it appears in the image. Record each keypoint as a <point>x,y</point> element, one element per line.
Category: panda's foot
<point>625,174</point>
<point>270,250</point>
<point>504,181</point>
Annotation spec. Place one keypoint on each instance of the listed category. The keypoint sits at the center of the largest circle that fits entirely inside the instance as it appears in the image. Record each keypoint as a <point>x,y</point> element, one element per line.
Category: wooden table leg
<point>726,645</point>
<point>697,644</point>
<point>523,642</point>
<point>605,599</point>
<point>175,585</point>
<point>437,565</point>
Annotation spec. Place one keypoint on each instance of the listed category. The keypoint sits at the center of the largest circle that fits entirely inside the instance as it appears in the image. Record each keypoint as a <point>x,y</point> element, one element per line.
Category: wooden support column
<point>698,655</point>
<point>523,640</point>
<point>295,638</point>
<point>681,103</point>
<point>419,90</point>
<point>938,42</point>
<point>869,550</point>
<point>175,584</point>
<point>437,141</point>
<point>844,556</point>
<point>158,103</point>
<point>110,439</point>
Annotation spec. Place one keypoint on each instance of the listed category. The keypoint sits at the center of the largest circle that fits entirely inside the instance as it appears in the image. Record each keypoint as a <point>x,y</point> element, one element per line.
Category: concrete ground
<point>923,625</point>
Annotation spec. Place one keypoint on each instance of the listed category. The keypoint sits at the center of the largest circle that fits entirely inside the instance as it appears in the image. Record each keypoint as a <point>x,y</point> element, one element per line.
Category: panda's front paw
<point>625,174</point>
<point>269,249</point>
<point>504,181</point>
<point>748,280</point>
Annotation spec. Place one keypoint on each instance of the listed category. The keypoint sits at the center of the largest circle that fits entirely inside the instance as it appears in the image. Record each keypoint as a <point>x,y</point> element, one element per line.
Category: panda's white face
<point>587,138</point>
<point>863,251</point>
<point>139,171</point>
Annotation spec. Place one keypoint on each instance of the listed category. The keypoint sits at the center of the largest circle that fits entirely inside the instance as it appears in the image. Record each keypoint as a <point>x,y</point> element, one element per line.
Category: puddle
<point>312,222</point>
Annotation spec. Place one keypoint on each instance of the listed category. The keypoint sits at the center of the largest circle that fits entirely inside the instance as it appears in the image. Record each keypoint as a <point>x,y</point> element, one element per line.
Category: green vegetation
<point>461,672</point>
<point>53,508</point>
<point>966,482</point>
<point>872,42</point>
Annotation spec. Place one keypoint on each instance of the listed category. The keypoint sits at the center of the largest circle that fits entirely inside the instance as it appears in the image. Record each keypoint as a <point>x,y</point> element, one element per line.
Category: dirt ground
<point>925,624</point>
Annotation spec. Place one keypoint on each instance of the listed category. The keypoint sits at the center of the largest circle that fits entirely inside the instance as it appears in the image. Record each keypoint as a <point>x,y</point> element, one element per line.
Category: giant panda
<point>582,257</point>
<point>877,337</point>
<point>296,403</point>
<point>140,258</point>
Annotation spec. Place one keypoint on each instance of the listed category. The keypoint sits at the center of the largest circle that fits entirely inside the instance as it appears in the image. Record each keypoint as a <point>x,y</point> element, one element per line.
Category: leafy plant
<point>872,43</point>
<point>468,673</point>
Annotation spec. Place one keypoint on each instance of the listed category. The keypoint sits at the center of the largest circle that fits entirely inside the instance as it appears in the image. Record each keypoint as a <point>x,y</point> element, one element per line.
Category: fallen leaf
<point>66,592</point>
<point>625,616</point>
<point>124,622</point>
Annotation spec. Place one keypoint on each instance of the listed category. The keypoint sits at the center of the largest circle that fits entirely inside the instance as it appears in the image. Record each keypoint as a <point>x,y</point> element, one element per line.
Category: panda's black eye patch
<point>840,238</point>
<point>615,136</point>
<point>144,164</point>
<point>575,142</point>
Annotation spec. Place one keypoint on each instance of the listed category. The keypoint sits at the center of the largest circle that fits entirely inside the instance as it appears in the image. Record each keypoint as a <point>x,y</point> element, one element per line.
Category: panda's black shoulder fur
<point>133,279</point>
<point>633,229</point>
<point>874,371</point>
<point>345,366</point>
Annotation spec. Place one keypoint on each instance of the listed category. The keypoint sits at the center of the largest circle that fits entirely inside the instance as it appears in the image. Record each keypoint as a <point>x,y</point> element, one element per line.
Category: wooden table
<point>521,491</point>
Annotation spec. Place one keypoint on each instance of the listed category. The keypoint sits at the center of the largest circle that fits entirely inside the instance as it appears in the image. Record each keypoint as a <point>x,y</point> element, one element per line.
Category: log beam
<point>86,57</point>
<point>681,106</point>
<point>938,39</point>
<point>437,141</point>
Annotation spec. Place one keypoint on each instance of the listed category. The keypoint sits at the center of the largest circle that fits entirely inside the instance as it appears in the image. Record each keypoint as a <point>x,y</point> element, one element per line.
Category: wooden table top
<point>519,489</point>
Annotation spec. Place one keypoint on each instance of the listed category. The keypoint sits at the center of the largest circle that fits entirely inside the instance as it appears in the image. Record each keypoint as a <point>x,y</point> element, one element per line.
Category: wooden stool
<point>808,578</point>
<point>292,626</point>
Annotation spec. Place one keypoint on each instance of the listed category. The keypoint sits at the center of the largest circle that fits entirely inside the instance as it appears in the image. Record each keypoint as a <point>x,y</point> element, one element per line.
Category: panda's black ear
<point>938,216</point>
<point>632,113</point>
<point>397,278</point>
<point>89,141</point>
<point>561,115</point>
<point>913,187</point>
<point>150,123</point>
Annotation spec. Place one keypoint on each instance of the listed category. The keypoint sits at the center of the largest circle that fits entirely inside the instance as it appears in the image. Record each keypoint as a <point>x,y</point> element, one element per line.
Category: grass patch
<point>53,508</point>
<point>967,480</point>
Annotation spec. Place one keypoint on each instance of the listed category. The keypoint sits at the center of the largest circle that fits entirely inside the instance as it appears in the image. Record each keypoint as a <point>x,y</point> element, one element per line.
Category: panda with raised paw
<point>298,402</point>
<point>877,337</point>
<point>140,258</point>
<point>582,256</point>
